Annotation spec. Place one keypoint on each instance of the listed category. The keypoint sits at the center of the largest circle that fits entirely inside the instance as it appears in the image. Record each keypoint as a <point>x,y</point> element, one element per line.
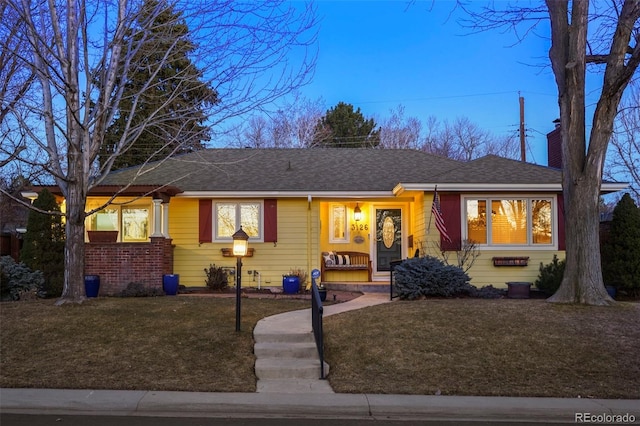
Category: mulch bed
<point>267,293</point>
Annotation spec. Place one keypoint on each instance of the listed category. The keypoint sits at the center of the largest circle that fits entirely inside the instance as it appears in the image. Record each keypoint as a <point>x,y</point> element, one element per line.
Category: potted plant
<point>322,290</point>
<point>294,280</point>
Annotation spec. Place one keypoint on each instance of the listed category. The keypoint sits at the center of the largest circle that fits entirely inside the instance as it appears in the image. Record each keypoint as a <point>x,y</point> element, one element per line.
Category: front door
<point>388,242</point>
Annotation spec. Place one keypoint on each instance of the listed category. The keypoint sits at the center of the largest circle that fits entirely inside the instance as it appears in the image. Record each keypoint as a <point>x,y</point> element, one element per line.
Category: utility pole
<point>523,154</point>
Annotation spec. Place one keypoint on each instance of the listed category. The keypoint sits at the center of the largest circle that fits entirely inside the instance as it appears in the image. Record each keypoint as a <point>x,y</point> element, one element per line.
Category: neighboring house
<point>297,204</point>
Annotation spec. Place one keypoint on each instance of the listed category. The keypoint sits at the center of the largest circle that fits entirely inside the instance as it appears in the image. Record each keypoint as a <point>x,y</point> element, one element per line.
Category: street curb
<point>207,404</point>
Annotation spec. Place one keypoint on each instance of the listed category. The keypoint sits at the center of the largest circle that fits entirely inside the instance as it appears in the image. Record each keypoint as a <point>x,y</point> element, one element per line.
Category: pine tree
<point>342,127</point>
<point>621,253</point>
<point>176,95</point>
<point>43,247</point>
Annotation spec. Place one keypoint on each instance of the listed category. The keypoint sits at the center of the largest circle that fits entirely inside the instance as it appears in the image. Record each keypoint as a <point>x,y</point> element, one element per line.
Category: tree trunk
<point>73,289</point>
<point>582,281</point>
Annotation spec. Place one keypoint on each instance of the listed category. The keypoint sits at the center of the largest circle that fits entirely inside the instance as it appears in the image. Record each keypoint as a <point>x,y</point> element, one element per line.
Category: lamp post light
<point>240,243</point>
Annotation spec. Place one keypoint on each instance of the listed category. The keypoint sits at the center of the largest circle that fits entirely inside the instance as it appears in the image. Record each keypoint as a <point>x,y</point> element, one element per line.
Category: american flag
<point>437,213</point>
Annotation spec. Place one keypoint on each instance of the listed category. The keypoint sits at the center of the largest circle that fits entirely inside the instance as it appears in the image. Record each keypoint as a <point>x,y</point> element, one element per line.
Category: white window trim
<point>347,236</point>
<point>118,207</point>
<point>214,217</point>
<point>515,247</point>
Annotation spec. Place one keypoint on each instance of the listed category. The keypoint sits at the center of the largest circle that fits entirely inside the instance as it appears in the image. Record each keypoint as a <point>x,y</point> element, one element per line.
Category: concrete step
<point>289,368</point>
<point>277,336</point>
<point>294,386</point>
<point>286,350</point>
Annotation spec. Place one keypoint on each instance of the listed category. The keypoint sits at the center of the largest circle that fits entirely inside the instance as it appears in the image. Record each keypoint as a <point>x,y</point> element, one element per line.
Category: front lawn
<point>460,346</point>
<point>486,347</point>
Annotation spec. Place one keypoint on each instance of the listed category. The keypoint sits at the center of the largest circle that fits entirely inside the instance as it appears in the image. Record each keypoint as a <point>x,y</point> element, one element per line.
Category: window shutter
<point>270,220</point>
<point>205,221</point>
<point>561,235</point>
<point>450,207</point>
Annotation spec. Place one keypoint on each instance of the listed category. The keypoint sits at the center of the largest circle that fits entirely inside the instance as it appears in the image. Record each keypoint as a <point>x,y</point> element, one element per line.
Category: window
<point>229,216</point>
<point>338,232</point>
<point>502,222</point>
<point>132,222</point>
<point>135,224</point>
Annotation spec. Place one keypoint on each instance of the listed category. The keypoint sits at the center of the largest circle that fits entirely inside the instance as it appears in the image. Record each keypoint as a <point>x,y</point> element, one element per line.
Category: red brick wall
<point>554,148</point>
<point>119,264</point>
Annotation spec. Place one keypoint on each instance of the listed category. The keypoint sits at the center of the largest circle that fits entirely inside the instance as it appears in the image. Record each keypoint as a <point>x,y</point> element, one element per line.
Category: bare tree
<point>605,35</point>
<point>464,140</point>
<point>82,53</point>
<point>291,126</point>
<point>399,131</point>
<point>623,157</point>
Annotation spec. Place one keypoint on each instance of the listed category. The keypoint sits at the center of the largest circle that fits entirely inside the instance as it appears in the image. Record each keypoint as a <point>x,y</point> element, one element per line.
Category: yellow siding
<point>484,273</point>
<point>270,260</point>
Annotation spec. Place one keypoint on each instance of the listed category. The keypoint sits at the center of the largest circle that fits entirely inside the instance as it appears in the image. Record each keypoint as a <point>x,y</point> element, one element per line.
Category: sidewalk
<point>198,404</point>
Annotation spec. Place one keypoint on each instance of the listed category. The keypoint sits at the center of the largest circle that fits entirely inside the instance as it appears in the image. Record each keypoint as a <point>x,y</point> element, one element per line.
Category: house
<point>297,204</point>
<point>178,215</point>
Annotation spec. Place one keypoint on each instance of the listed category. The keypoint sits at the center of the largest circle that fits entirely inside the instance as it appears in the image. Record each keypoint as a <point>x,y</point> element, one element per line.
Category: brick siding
<point>119,264</point>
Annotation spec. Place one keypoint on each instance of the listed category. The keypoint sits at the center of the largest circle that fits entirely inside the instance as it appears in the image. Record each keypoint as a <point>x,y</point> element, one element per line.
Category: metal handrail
<point>316,323</point>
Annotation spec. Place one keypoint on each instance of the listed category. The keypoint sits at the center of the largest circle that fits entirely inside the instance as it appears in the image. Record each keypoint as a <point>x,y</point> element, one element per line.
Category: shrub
<point>300,273</point>
<point>550,276</point>
<point>621,253</point>
<point>429,276</point>
<point>17,280</point>
<point>216,278</point>
<point>140,290</point>
<point>487,292</point>
<point>43,247</point>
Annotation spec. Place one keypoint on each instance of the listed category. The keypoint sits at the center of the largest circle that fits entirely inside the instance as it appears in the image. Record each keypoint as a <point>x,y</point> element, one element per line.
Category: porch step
<point>285,350</point>
<point>289,368</point>
<point>363,287</point>
<point>275,336</point>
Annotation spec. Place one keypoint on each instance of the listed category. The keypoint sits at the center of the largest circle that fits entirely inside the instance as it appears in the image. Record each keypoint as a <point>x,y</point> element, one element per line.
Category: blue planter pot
<point>291,285</point>
<point>170,284</point>
<point>611,290</point>
<point>92,285</point>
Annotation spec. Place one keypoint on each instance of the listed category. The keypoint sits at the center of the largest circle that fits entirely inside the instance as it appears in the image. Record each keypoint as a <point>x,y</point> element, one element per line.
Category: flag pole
<point>431,211</point>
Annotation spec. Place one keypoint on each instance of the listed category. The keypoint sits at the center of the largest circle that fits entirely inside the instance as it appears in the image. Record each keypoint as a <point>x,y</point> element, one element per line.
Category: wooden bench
<point>345,261</point>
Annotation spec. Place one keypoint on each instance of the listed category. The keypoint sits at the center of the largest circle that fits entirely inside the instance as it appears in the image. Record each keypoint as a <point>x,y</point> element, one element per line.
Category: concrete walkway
<point>287,360</point>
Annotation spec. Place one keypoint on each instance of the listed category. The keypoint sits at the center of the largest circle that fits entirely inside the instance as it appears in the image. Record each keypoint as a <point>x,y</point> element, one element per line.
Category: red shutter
<point>561,235</point>
<point>270,220</point>
<point>205,221</point>
<point>450,207</point>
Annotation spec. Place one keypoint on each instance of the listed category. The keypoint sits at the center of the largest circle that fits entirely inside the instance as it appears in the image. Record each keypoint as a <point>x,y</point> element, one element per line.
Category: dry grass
<point>486,347</point>
<point>165,343</point>
<point>461,347</point>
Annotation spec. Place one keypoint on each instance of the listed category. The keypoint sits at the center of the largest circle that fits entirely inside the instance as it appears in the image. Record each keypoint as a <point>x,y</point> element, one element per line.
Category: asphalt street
<point>67,420</point>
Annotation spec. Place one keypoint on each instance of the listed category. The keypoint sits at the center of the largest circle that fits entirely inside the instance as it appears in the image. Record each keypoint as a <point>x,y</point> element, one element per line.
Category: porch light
<point>357,213</point>
<point>31,195</point>
<point>240,242</point>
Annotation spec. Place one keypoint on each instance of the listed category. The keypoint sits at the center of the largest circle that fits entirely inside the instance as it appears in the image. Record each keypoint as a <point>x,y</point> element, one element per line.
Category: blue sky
<point>377,55</point>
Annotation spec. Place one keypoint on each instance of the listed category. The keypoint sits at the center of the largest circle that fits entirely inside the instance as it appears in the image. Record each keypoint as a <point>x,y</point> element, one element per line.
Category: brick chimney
<point>554,146</point>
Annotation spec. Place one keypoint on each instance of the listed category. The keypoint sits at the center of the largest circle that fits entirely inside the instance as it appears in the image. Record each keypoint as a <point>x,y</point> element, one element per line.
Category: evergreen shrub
<point>429,276</point>
<point>550,276</point>
<point>16,279</point>
<point>43,247</point>
<point>216,278</point>
<point>621,253</point>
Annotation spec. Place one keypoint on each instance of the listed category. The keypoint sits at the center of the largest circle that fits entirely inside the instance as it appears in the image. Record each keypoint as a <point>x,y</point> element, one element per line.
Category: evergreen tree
<point>621,253</point>
<point>43,247</point>
<point>175,95</point>
<point>342,127</point>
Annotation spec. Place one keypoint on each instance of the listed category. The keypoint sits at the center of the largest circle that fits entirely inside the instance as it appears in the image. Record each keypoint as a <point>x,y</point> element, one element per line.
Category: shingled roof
<point>323,170</point>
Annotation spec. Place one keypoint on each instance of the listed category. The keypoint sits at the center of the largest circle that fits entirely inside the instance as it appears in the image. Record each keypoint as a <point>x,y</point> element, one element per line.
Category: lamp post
<point>240,243</point>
